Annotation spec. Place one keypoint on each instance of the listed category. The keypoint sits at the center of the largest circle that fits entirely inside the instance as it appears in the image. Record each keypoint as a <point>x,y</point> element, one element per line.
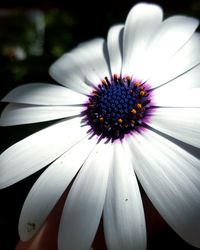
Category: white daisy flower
<point>130,106</point>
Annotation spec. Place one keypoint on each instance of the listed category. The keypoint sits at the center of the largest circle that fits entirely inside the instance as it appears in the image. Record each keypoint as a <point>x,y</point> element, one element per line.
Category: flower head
<point>128,107</point>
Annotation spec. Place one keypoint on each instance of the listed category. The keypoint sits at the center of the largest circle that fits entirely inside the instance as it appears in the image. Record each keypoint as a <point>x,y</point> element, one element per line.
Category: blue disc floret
<point>117,107</point>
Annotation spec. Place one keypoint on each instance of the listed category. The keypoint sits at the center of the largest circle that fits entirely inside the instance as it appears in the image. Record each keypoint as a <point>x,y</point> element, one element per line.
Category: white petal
<point>189,79</point>
<point>124,221</point>
<point>180,123</point>
<point>36,151</point>
<point>183,91</point>
<point>94,56</point>
<point>49,187</point>
<point>68,70</point>
<point>170,177</point>
<point>114,43</point>
<point>141,24</point>
<point>15,114</point>
<point>173,33</point>
<point>83,67</point>
<point>176,97</point>
<point>84,204</point>
<point>185,59</point>
<point>44,94</point>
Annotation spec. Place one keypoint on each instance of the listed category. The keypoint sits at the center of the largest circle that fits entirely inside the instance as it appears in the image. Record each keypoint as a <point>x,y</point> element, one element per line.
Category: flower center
<point>117,107</point>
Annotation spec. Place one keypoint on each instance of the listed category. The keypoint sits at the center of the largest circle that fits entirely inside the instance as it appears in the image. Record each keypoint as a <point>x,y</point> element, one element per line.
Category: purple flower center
<point>117,107</point>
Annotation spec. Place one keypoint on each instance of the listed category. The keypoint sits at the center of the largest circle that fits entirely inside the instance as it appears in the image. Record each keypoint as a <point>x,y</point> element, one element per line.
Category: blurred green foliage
<point>30,41</point>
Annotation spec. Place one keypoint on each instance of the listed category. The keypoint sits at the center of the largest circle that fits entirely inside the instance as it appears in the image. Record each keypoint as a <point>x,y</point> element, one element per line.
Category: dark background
<point>27,51</point>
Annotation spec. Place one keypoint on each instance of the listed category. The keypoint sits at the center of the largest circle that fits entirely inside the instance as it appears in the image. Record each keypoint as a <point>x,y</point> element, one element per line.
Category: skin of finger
<point>46,238</point>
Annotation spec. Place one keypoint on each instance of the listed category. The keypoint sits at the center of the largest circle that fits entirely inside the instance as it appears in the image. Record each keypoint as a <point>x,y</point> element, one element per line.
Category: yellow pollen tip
<point>137,84</point>
<point>142,93</point>
<point>103,81</point>
<point>133,111</point>
<point>120,120</point>
<point>128,78</point>
<point>107,126</point>
<point>139,105</point>
<point>101,119</point>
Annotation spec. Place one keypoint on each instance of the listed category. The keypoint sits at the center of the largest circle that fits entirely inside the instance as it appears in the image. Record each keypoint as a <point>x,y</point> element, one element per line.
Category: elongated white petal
<point>83,67</point>
<point>189,79</point>
<point>68,70</point>
<point>180,123</point>
<point>84,204</point>
<point>170,177</point>
<point>114,43</point>
<point>184,60</point>
<point>94,56</point>
<point>173,33</point>
<point>170,97</point>
<point>36,151</point>
<point>50,186</point>
<point>141,24</point>
<point>44,94</point>
<point>124,222</point>
<point>15,114</point>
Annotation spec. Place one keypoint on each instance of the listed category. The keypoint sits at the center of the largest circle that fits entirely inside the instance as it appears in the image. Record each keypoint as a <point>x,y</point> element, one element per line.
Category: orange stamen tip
<point>101,119</point>
<point>142,93</point>
<point>139,105</point>
<point>128,78</point>
<point>103,81</point>
<point>132,121</point>
<point>137,84</point>
<point>120,120</point>
<point>133,111</point>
